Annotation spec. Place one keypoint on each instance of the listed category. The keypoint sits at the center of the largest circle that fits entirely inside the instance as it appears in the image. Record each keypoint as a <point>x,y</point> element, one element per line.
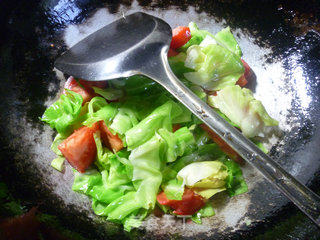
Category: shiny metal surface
<point>138,44</point>
<point>120,49</point>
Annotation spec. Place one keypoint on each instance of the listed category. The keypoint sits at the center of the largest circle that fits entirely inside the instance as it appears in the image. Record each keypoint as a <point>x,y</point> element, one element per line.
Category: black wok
<point>280,41</point>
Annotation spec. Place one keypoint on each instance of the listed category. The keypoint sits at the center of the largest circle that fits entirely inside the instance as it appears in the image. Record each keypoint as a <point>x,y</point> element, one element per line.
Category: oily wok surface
<point>279,41</point>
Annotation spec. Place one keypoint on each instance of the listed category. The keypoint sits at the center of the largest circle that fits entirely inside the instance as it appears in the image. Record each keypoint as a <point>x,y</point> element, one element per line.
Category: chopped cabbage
<point>215,66</point>
<point>239,105</point>
<point>206,178</point>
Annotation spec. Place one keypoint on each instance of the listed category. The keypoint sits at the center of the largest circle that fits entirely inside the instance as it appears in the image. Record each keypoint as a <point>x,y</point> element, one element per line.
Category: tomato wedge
<point>113,142</point>
<point>176,127</point>
<point>80,148</point>
<point>189,205</point>
<point>86,92</point>
<point>21,227</point>
<point>243,80</point>
<point>172,53</point>
<point>180,36</point>
<point>222,144</point>
<point>89,84</point>
<point>247,69</point>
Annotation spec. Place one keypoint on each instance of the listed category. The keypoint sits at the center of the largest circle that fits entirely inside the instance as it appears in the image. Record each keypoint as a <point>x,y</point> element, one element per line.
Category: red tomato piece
<point>172,53</point>
<point>96,126</point>
<point>176,127</point>
<point>222,144</point>
<point>247,69</point>
<point>86,92</point>
<point>113,142</point>
<point>80,148</point>
<point>21,227</point>
<point>188,205</point>
<point>180,36</point>
<point>209,92</point>
<point>243,80</point>
<point>99,84</point>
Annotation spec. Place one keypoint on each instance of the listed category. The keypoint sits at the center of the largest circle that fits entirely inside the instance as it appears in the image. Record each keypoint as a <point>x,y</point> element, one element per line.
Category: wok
<point>280,42</point>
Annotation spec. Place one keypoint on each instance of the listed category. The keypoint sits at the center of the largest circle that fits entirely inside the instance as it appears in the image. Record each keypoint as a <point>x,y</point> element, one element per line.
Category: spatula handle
<point>306,200</point>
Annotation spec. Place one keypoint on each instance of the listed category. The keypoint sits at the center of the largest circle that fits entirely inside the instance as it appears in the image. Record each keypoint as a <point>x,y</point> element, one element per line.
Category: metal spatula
<point>138,44</point>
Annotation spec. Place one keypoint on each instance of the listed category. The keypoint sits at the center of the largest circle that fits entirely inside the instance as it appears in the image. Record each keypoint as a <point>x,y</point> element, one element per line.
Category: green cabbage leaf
<point>239,105</point>
<point>64,114</point>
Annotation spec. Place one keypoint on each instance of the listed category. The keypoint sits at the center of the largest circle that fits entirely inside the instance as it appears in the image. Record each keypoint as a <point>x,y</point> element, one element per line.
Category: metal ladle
<point>138,44</point>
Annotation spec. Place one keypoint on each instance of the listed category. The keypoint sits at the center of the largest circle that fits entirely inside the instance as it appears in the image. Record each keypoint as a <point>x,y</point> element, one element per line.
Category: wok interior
<point>285,64</point>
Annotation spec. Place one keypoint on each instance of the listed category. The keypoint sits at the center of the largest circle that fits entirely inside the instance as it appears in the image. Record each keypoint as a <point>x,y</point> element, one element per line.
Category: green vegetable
<point>144,130</point>
<point>99,109</point>
<point>176,143</point>
<point>260,145</point>
<point>124,120</point>
<point>227,40</point>
<point>215,66</point>
<point>170,171</point>
<point>137,85</point>
<point>124,185</point>
<point>226,118</point>
<point>146,176</point>
<point>103,153</point>
<point>223,38</point>
<point>118,209</point>
<point>204,174</point>
<point>147,161</point>
<point>197,36</point>
<point>202,152</point>
<point>199,92</point>
<point>212,150</point>
<point>174,189</point>
<point>64,113</point>
<point>235,182</point>
<point>215,60</point>
<point>208,40</point>
<point>206,178</point>
<point>57,163</point>
<point>109,93</point>
<point>239,105</point>
<point>185,141</point>
<point>177,64</point>
<point>206,211</point>
<point>54,146</point>
<point>101,186</point>
<point>134,220</point>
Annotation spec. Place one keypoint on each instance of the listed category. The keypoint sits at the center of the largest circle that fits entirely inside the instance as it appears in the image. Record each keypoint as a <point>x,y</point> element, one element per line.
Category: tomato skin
<point>86,92</point>
<point>96,126</point>
<point>247,69</point>
<point>172,53</point>
<point>21,227</point>
<point>80,148</point>
<point>89,84</point>
<point>176,127</point>
<point>113,142</point>
<point>180,36</point>
<point>243,80</point>
<point>189,205</point>
<point>222,144</point>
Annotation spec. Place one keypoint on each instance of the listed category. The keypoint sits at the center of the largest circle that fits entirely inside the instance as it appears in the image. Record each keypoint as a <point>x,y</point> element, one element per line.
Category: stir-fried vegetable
<point>239,105</point>
<point>133,146</point>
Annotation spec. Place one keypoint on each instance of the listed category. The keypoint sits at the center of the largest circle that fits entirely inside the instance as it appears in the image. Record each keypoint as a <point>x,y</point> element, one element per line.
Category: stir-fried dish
<point>133,147</point>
